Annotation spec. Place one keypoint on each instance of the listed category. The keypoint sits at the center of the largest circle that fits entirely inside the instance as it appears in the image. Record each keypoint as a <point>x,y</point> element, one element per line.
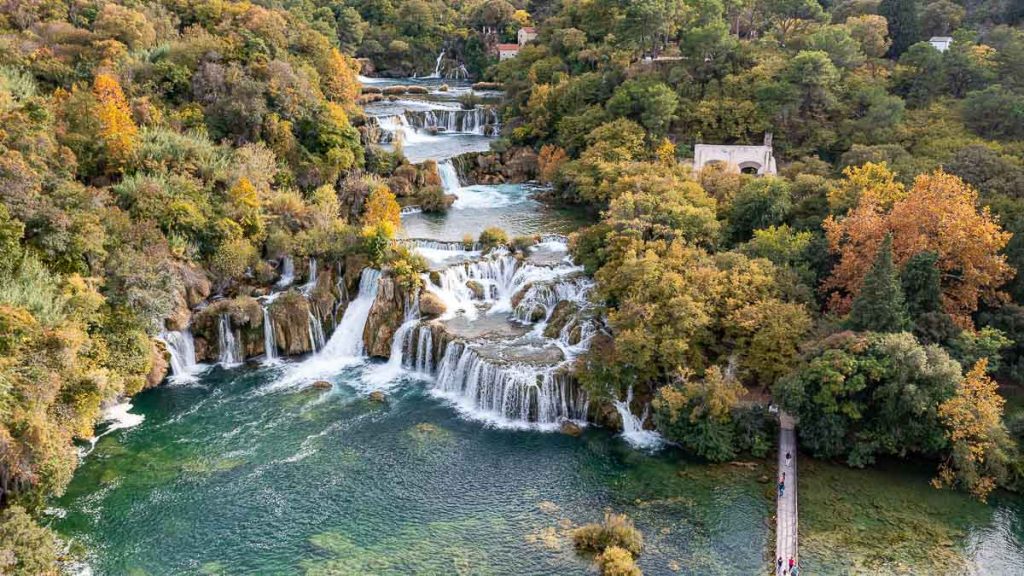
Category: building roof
<point>529,29</point>
<point>941,39</point>
<point>508,47</point>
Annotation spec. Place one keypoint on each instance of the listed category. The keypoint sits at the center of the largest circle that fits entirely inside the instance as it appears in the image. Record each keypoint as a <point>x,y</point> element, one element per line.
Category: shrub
<point>25,547</point>
<point>492,238</point>
<point>615,561</point>
<point>616,530</point>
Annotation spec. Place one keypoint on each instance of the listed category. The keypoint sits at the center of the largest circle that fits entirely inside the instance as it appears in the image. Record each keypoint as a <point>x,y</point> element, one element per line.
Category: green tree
<point>697,413</point>
<point>904,24</point>
<point>26,549</point>
<point>921,283</point>
<point>761,203</point>
<point>648,102</point>
<point>880,305</point>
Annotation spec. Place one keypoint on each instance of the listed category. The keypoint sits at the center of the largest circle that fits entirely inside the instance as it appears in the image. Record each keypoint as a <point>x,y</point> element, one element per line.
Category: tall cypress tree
<point>920,281</point>
<point>880,306</point>
<point>904,24</point>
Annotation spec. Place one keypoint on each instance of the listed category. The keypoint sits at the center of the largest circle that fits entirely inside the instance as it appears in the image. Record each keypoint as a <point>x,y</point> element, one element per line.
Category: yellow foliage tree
<point>338,77</point>
<point>873,183</point>
<point>244,205</point>
<point>549,161</point>
<point>117,129</point>
<point>666,152</point>
<point>381,211</point>
<point>980,446</point>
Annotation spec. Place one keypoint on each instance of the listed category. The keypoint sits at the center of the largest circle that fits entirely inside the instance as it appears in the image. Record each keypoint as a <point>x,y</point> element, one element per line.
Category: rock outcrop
<point>431,306</point>
<point>246,316</point>
<point>290,316</point>
<point>385,317</point>
<point>511,166</point>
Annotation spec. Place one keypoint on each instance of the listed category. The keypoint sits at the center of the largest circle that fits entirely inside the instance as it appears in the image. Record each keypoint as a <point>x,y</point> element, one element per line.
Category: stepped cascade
<point>182,349</point>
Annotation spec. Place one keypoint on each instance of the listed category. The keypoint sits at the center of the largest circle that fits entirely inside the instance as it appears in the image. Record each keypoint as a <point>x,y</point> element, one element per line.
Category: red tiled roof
<point>508,47</point>
<point>529,29</point>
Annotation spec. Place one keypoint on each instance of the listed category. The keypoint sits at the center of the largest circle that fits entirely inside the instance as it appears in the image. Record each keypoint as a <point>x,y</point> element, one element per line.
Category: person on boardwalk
<point>779,567</point>
<point>782,486</point>
<point>789,460</point>
<point>791,563</point>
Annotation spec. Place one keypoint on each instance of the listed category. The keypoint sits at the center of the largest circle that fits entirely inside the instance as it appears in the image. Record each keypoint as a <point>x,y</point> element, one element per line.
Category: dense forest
<point>874,287</point>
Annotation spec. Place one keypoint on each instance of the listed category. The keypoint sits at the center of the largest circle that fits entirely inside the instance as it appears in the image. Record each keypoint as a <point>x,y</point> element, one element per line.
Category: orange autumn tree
<point>938,214</point>
<point>117,129</point>
<point>980,447</point>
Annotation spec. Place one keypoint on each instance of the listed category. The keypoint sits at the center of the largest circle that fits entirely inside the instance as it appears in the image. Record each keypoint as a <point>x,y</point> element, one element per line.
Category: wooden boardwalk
<point>786,514</point>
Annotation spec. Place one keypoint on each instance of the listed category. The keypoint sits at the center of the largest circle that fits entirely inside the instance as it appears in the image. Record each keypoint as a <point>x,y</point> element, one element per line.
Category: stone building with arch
<point>758,160</point>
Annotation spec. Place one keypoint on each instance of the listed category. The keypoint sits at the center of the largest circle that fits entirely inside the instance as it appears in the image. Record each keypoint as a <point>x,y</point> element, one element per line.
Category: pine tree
<point>904,24</point>
<point>880,306</point>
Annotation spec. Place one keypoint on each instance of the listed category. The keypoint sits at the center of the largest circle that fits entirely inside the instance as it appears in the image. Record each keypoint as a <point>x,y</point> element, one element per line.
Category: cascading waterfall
<point>500,275</point>
<point>437,66</point>
<point>508,394</point>
<point>182,349</point>
<point>633,427</point>
<point>545,296</point>
<point>311,275</point>
<point>347,340</point>
<point>449,176</point>
<point>482,120</point>
<point>316,332</point>
<point>422,359</point>
<point>408,210</point>
<point>230,348</point>
<point>269,337</point>
<point>287,272</point>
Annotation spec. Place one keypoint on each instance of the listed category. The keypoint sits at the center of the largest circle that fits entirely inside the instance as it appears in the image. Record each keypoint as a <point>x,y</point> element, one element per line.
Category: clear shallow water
<point>510,207</point>
<point>223,477</point>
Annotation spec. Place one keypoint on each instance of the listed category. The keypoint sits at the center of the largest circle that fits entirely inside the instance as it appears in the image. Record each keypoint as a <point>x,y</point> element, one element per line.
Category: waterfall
<point>316,333</point>
<point>182,349</point>
<point>423,358</point>
<point>482,120</point>
<point>269,338</point>
<point>347,340</point>
<point>388,372</point>
<point>287,272</point>
<point>437,245</point>
<point>311,275</point>
<point>500,276</point>
<point>230,348</point>
<point>547,295</point>
<point>408,210</point>
<point>508,394</point>
<point>449,176</point>
<point>437,66</point>
<point>633,427</point>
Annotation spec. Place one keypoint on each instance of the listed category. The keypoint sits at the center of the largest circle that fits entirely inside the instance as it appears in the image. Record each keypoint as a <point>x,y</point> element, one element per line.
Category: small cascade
<point>347,340</point>
<point>437,66</point>
<point>228,344</point>
<point>633,427</point>
<point>311,275</point>
<point>409,210</point>
<point>545,296</point>
<point>269,336</point>
<point>182,349</point>
<point>317,340</point>
<point>482,120</point>
<point>449,176</point>
<point>508,394</point>
<point>422,359</point>
<point>453,246</point>
<point>287,272</point>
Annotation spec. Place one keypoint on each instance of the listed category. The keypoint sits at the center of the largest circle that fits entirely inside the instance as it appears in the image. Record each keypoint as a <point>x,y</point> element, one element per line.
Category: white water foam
<point>633,427</point>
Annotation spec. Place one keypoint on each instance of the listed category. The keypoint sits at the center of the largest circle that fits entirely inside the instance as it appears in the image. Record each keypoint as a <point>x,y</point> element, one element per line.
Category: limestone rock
<point>570,428</point>
<point>476,288</point>
<point>386,315</point>
<point>160,364</point>
<point>320,385</point>
<point>431,306</point>
<point>290,315</point>
<point>378,396</point>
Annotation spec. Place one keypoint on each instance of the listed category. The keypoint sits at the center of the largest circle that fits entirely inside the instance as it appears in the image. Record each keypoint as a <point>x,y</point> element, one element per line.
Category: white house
<point>748,159</point>
<point>506,51</point>
<point>940,43</point>
<point>526,34</point>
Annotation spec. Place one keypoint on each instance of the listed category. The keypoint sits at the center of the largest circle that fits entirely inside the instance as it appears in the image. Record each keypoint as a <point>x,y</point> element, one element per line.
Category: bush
<point>492,238</point>
<point>433,199</point>
<point>522,243</point>
<point>617,530</point>
<point>26,548</point>
<point>615,561</point>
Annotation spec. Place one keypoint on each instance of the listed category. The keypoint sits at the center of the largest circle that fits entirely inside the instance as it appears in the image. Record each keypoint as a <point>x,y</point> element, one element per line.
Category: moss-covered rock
<point>246,316</point>
<point>476,288</point>
<point>563,313</point>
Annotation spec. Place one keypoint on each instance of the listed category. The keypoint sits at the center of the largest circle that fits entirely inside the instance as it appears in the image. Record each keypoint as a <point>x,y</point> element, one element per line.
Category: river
<point>249,470</point>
